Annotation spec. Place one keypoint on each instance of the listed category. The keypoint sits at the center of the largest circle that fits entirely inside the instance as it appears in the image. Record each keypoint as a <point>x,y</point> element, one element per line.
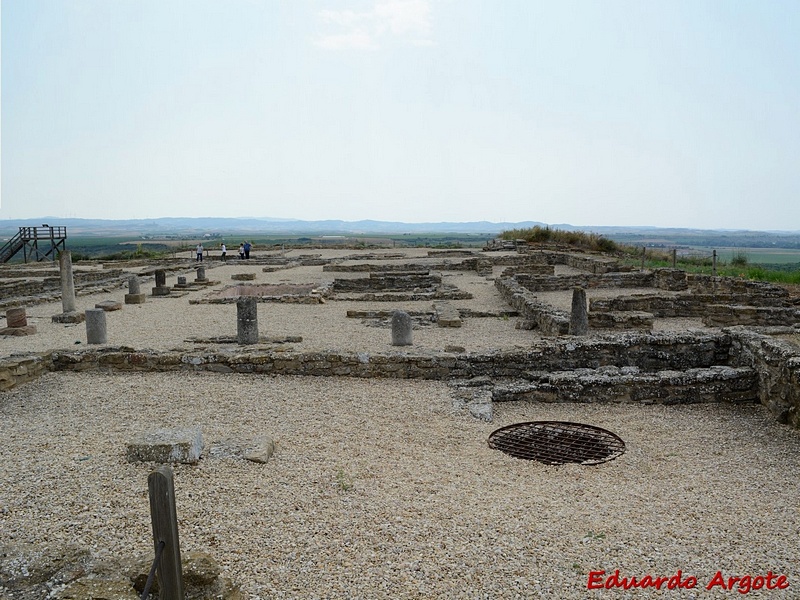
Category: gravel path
<point>379,489</point>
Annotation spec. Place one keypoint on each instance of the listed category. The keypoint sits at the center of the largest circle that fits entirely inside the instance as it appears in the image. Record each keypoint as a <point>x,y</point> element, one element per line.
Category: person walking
<point>199,251</point>
<point>247,247</point>
<point>224,251</point>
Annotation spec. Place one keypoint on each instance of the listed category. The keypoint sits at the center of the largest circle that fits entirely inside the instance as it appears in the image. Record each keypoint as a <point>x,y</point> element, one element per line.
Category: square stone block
<point>135,298</point>
<point>167,446</point>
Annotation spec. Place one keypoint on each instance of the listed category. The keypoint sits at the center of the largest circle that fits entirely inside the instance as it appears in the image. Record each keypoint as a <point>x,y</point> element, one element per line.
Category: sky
<point>615,112</point>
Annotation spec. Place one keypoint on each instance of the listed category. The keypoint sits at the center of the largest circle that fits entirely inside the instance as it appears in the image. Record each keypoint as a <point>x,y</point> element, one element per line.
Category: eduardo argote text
<point>599,580</point>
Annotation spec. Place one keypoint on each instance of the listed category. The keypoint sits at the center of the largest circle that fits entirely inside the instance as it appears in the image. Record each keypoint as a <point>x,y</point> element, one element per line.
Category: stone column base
<point>135,298</point>
<point>69,317</point>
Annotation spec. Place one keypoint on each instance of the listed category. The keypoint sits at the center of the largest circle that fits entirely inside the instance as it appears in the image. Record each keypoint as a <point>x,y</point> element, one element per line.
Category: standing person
<point>241,251</point>
<point>247,247</point>
<point>224,251</point>
<point>199,251</point>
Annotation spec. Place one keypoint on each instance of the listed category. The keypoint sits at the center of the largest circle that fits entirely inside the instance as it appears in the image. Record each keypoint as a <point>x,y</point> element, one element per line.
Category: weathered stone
<point>167,446</point>
<point>67,282</point>
<point>247,320</point>
<point>16,317</point>
<point>401,328</point>
<point>87,588</point>
<point>447,315</point>
<point>96,326</point>
<point>26,330</point>
<point>134,286</point>
<point>579,318</point>
<point>243,276</point>
<point>71,317</point>
<point>201,275</point>
<point>161,288</point>
<point>109,305</point>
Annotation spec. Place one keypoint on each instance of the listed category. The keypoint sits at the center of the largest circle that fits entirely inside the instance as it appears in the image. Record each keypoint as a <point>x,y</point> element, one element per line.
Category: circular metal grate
<point>558,442</point>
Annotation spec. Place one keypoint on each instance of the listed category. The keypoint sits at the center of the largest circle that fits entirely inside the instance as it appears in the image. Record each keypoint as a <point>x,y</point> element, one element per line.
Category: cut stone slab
<point>257,449</point>
<point>447,315</point>
<point>167,446</point>
<point>69,317</point>
<point>135,298</point>
<point>109,305</point>
<point>26,330</point>
<point>243,276</point>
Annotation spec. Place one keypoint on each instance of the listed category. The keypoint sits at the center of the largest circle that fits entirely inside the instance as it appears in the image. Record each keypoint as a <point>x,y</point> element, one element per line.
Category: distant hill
<point>199,226</point>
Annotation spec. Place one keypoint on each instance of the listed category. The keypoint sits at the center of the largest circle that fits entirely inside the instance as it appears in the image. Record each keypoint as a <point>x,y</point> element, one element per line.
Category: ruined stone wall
<point>733,285</point>
<point>383,282</point>
<point>778,366</point>
<point>734,365</point>
<point>549,320</point>
<point>21,369</point>
<point>544,283</point>
<point>725,315</point>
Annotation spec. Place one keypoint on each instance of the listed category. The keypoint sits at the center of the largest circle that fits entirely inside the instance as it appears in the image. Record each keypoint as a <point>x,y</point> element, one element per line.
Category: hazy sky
<point>665,113</point>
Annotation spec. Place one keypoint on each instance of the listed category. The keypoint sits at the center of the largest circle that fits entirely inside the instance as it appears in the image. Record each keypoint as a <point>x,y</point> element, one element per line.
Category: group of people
<point>244,251</point>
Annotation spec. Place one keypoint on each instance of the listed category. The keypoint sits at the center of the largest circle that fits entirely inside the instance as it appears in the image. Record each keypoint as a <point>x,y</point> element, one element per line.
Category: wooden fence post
<point>714,263</point>
<point>165,529</point>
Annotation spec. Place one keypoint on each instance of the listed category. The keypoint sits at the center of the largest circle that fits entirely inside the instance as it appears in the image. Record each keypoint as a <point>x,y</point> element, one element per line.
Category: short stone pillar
<point>161,288</point>
<point>96,326</point>
<point>70,314</point>
<point>182,281</point>
<point>247,320</point>
<point>401,328</point>
<point>17,323</point>
<point>134,295</point>
<point>201,275</point>
<point>579,319</point>
<point>16,317</point>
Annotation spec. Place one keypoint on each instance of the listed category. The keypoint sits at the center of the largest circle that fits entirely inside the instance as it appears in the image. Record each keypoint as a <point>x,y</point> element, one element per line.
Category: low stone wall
<point>621,320</point>
<point>732,365</point>
<point>700,305</point>
<point>649,352</point>
<point>382,282</point>
<point>778,366</point>
<point>544,283</point>
<point>529,269</point>
<point>549,320</point>
<point>734,285</point>
<point>724,315</point>
<point>21,369</point>
<point>629,384</point>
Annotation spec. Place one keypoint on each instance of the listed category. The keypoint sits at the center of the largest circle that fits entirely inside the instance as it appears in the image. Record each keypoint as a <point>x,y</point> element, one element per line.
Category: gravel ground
<point>380,489</point>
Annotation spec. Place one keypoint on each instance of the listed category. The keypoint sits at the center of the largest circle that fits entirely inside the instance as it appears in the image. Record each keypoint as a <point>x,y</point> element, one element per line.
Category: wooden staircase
<point>36,243</point>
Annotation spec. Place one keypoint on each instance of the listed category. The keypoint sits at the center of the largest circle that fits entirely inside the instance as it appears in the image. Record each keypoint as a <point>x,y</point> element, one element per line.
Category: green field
<point>758,256</point>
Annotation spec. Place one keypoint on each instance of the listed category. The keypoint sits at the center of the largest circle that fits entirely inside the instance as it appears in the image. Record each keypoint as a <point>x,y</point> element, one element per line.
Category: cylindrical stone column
<point>16,317</point>
<point>201,274</point>
<point>247,320</point>
<point>96,326</point>
<point>401,328</point>
<point>161,278</point>
<point>579,319</point>
<point>133,285</point>
<point>67,282</point>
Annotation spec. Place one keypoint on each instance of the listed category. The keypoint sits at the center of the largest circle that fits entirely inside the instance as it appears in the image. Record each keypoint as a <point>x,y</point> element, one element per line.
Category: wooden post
<point>674,257</point>
<point>644,250</point>
<point>165,529</point>
<point>714,263</point>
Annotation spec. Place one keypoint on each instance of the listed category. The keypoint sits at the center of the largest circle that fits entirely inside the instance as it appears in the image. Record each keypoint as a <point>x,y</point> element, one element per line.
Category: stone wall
<point>383,282</point>
<point>735,365</point>
<point>549,320</point>
<point>629,384</point>
<point>20,369</point>
<point>724,315</point>
<point>545,283</point>
<point>778,366</point>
